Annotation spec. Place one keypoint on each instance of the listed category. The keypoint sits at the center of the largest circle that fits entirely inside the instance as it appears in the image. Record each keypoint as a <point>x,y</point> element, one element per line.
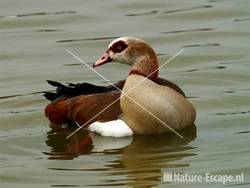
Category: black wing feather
<point>72,90</point>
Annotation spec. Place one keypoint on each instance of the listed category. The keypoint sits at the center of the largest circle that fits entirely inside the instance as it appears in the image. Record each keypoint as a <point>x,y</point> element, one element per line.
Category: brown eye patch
<point>118,47</point>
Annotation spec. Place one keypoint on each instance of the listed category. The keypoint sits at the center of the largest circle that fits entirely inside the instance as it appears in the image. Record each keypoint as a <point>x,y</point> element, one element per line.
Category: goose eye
<point>118,47</point>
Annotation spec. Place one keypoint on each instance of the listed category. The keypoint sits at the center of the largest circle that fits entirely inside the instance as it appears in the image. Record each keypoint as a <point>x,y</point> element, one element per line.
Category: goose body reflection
<point>141,158</point>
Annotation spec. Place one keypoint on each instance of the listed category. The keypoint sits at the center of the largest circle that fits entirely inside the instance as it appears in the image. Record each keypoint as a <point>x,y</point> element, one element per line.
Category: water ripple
<point>40,14</point>
<point>206,68</point>
<point>153,12</point>
<point>143,13</point>
<point>241,19</point>
<point>201,45</point>
<point>32,31</point>
<point>87,39</point>
<point>232,113</point>
<point>22,95</point>
<point>187,9</point>
<point>188,30</point>
<point>242,132</point>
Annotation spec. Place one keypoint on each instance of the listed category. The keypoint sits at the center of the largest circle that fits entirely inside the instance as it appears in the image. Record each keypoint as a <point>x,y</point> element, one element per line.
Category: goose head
<point>132,51</point>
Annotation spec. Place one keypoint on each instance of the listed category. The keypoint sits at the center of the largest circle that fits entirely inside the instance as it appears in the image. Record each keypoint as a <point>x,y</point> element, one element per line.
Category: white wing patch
<point>115,128</point>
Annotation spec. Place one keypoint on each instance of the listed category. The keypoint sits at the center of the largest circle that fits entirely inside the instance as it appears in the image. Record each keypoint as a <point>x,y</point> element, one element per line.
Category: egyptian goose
<point>81,102</point>
<point>147,107</point>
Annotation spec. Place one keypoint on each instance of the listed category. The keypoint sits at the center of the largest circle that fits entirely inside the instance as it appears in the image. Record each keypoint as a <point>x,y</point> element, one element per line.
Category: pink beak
<point>102,60</point>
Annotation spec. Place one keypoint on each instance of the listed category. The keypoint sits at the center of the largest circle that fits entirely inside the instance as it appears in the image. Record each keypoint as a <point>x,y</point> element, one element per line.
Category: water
<point>213,70</point>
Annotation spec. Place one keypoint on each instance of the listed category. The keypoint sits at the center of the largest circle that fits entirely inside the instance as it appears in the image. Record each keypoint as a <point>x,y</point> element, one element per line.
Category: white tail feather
<point>115,128</point>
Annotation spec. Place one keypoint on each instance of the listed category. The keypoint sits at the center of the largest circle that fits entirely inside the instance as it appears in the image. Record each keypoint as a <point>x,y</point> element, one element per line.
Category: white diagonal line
<point>89,67</point>
<point>92,118</point>
<point>83,62</point>
<point>164,64</point>
<point>126,92</point>
<point>78,124</point>
<point>145,109</point>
